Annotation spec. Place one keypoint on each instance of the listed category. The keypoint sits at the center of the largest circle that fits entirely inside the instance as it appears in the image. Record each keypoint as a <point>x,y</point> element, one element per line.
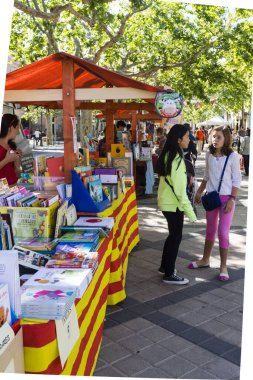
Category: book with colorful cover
<point>103,232</point>
<point>89,142</point>
<point>74,249</point>
<point>5,309</point>
<point>38,244</point>
<point>96,190</point>
<point>30,259</point>
<point>64,279</point>
<point>40,165</point>
<point>65,263</point>
<point>80,236</point>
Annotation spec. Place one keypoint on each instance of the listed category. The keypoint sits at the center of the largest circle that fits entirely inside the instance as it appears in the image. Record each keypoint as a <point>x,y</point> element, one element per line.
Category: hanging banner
<point>168,104</point>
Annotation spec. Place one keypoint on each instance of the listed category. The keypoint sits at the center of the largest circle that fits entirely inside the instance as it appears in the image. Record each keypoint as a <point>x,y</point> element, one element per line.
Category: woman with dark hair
<point>172,198</point>
<point>221,217</point>
<point>9,154</point>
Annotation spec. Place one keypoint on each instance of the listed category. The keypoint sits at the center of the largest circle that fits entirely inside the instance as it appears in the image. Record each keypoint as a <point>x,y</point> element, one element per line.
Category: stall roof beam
<point>18,96</point>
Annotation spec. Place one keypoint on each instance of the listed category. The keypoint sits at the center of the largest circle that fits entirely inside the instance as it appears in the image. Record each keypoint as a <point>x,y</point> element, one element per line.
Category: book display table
<point>125,238</point>
<point>107,287</point>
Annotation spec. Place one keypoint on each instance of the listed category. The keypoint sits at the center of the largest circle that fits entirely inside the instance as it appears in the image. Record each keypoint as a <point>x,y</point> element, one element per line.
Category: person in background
<point>241,135</point>
<point>102,145</point>
<point>161,139</point>
<point>221,217</point>
<point>26,133</point>
<point>172,198</point>
<point>190,153</point>
<point>245,151</point>
<point>200,136</point>
<point>37,135</point>
<point>9,154</point>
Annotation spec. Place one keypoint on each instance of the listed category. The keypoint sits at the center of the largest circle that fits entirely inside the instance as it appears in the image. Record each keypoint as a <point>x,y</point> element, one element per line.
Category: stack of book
<point>63,279</point>
<point>22,197</point>
<point>45,303</point>
<point>95,222</point>
<point>41,244</point>
<point>88,260</point>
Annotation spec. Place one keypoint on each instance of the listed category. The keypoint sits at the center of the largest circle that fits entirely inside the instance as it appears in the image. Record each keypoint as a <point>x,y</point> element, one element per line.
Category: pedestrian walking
<point>221,217</point>
<point>200,136</point>
<point>26,132</point>
<point>161,140</point>
<point>172,198</point>
<point>37,135</point>
<point>245,151</point>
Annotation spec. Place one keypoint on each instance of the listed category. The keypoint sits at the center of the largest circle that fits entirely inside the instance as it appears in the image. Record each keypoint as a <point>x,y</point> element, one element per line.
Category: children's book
<point>30,259</point>
<point>63,279</point>
<point>102,231</point>
<point>40,165</point>
<point>81,236</point>
<point>96,191</point>
<point>65,263</point>
<point>122,164</point>
<point>5,309</point>
<point>38,244</point>
<point>61,188</point>
<point>117,150</point>
<point>71,215</point>
<point>74,249</point>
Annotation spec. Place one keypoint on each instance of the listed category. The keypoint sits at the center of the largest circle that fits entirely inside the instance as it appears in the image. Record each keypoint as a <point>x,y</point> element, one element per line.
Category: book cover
<point>106,170</point>
<point>55,166</point>
<point>30,259</point>
<point>89,142</point>
<point>95,222</point>
<point>108,178</point>
<point>73,249</point>
<point>80,236</point>
<point>5,310</point>
<point>61,218</point>
<point>61,188</point>
<point>122,164</point>
<point>71,215</point>
<point>40,165</point>
<point>96,191</point>
<point>64,279</point>
<point>7,218</point>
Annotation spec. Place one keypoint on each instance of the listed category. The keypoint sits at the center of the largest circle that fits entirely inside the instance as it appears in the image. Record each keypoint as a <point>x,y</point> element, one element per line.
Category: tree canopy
<point>204,52</point>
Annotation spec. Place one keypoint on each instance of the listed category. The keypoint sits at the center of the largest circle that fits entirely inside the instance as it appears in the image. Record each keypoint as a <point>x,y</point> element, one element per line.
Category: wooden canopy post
<point>68,95</point>
<point>109,132</point>
<point>134,126</point>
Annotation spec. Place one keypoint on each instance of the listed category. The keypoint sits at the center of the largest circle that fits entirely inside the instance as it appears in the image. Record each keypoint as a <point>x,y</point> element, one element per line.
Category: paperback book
<point>74,249</point>
<point>30,259</point>
<point>96,191</point>
<point>80,236</point>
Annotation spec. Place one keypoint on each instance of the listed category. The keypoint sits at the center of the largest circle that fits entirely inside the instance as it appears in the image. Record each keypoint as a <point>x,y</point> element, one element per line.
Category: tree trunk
<point>49,128</point>
<point>85,125</point>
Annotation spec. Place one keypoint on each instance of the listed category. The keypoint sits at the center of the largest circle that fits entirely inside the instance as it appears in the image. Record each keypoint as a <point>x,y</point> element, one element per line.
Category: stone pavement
<point>167,331</point>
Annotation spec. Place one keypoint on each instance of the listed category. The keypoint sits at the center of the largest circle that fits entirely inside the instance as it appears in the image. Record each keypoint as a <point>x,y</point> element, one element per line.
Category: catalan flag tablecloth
<point>107,287</point>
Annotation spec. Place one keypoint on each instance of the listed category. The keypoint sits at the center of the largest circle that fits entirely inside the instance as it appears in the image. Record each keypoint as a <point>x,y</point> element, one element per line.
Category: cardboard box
<point>12,359</point>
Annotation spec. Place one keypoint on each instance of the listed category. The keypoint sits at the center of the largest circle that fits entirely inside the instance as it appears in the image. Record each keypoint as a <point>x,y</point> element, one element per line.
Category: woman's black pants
<point>175,222</point>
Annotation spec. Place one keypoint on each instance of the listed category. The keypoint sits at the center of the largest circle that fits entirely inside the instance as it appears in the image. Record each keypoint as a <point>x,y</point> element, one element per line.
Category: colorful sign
<point>168,104</point>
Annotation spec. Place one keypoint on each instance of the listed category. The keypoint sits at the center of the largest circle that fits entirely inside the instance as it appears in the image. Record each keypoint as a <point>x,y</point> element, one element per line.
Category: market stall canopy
<point>216,120</point>
<point>41,83</point>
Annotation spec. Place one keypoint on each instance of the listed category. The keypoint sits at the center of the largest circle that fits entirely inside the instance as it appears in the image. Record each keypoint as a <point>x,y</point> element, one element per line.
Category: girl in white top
<point>221,217</point>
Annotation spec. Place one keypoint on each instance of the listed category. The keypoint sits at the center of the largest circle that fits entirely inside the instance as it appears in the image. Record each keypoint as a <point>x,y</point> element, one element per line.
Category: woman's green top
<point>167,200</point>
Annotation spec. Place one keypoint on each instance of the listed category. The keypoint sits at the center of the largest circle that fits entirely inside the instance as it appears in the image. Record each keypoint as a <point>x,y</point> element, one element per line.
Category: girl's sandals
<point>195,265</point>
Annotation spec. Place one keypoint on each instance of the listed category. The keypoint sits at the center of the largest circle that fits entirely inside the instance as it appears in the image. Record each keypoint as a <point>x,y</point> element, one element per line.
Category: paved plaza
<point>166,331</point>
